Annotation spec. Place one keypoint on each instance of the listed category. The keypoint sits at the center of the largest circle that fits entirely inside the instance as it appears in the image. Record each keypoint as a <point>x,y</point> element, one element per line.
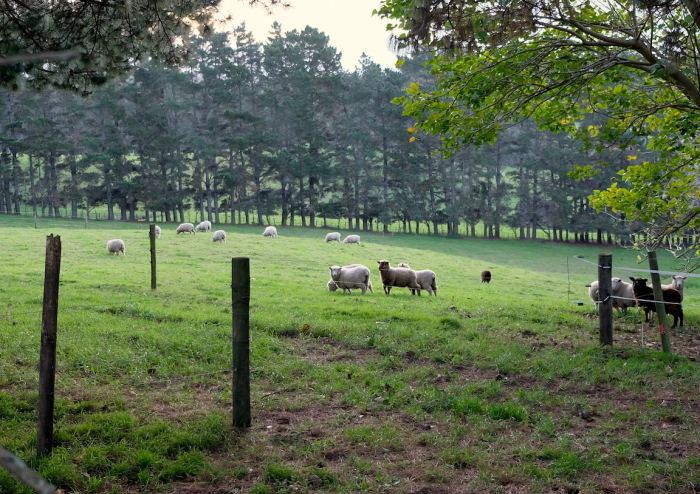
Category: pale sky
<point>349,24</point>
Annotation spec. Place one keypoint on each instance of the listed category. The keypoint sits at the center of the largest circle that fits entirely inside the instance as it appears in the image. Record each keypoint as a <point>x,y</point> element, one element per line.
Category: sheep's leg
<point>675,319</point>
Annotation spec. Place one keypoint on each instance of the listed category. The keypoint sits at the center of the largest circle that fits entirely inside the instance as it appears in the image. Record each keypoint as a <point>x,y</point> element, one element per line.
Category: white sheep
<point>593,290</point>
<point>352,239</point>
<point>677,283</point>
<point>622,289</point>
<point>185,227</point>
<point>425,278</point>
<point>270,231</point>
<point>156,230</point>
<point>349,277</point>
<point>333,287</point>
<point>204,226</point>
<point>333,236</point>
<point>619,288</point>
<point>115,246</point>
<point>219,236</point>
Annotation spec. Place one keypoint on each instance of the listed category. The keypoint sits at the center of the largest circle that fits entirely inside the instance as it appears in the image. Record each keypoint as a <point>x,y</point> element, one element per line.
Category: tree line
<point>245,131</point>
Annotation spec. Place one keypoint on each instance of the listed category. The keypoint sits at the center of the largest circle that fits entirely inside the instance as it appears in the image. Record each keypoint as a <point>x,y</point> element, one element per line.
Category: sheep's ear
<point>644,280</point>
<point>632,279</point>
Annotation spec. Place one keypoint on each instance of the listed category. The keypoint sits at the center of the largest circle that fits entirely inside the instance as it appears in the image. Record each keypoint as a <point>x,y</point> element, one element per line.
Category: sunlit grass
<point>475,378</point>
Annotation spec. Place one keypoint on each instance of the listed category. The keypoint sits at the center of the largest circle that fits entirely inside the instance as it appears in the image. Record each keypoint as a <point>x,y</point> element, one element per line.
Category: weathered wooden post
<point>659,297</point>
<point>47,356</point>
<point>152,237</point>
<point>240,298</point>
<point>604,295</point>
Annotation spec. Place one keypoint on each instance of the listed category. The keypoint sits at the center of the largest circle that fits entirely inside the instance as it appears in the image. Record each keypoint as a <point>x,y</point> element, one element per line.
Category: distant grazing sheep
<point>156,230</point>
<point>333,236</point>
<point>116,246</point>
<point>185,227</point>
<point>677,283</point>
<point>270,231</point>
<point>352,239</point>
<point>219,236</point>
<point>645,296</point>
<point>425,278</point>
<point>204,226</point>
<point>350,277</point>
<point>486,276</point>
<point>397,277</point>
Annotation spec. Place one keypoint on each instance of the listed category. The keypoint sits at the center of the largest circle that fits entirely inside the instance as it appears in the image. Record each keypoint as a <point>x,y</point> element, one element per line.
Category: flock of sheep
<point>347,278</point>
<point>356,276</point>
<point>117,245</point>
<point>639,293</point>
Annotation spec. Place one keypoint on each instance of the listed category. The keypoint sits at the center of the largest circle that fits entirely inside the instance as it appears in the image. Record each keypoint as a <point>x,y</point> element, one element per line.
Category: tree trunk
<point>312,202</point>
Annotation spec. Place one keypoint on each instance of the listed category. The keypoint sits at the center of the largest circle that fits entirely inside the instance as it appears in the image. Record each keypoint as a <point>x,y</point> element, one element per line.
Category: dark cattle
<point>644,295</point>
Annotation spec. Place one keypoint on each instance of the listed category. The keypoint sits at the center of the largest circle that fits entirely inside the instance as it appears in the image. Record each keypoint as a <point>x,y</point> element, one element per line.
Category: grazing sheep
<point>397,277</point>
<point>349,277</point>
<point>425,278</point>
<point>352,239</point>
<point>204,226</point>
<point>156,230</point>
<point>185,227</point>
<point>270,231</point>
<point>486,276</point>
<point>115,246</point>
<point>677,283</point>
<point>333,236</point>
<point>333,287</point>
<point>219,236</point>
<point>645,296</point>
<point>619,288</point>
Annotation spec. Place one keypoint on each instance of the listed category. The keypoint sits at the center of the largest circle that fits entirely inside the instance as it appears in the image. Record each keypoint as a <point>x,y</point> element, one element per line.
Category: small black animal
<point>644,293</point>
<point>486,276</point>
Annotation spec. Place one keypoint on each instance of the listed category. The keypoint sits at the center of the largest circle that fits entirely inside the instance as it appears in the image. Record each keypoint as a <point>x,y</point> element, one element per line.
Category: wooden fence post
<point>47,357</point>
<point>240,298</point>
<point>604,295</point>
<point>659,296</point>
<point>152,237</point>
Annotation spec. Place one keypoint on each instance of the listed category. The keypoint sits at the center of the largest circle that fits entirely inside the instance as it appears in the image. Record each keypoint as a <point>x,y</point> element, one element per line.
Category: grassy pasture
<point>485,388</point>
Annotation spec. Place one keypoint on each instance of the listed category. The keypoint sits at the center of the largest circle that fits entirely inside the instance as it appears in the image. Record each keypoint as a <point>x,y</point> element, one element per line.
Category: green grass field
<point>484,388</point>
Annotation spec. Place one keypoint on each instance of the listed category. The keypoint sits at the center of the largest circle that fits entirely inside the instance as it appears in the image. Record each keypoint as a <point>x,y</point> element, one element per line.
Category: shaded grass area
<point>485,388</point>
